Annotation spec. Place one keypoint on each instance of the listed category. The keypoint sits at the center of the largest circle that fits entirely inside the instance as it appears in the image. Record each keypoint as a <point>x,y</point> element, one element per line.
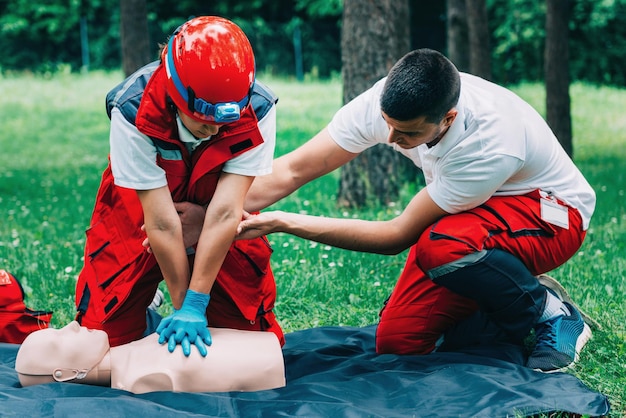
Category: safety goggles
<point>212,112</point>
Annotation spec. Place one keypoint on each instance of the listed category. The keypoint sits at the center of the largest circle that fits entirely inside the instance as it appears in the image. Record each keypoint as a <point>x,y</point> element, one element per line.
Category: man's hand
<point>254,226</point>
<point>188,325</point>
<point>191,219</point>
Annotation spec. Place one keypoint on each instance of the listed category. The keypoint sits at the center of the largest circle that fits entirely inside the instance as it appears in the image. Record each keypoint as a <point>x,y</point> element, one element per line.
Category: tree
<point>134,35</point>
<point>556,70</point>
<point>478,33</point>
<point>375,34</point>
<point>456,30</point>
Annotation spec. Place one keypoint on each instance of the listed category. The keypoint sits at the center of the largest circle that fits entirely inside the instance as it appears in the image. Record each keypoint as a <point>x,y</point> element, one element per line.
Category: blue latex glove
<point>187,325</point>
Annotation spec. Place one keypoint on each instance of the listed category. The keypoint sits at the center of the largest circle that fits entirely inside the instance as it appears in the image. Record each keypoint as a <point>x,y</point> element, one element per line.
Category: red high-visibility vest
<point>113,246</point>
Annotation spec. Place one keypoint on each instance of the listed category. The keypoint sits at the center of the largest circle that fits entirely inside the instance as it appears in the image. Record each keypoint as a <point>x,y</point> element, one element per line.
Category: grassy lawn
<point>53,148</point>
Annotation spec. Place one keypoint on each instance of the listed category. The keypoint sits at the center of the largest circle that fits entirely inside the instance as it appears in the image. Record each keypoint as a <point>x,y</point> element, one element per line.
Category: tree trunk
<point>375,34</point>
<point>557,72</point>
<point>478,32</point>
<point>456,29</point>
<point>134,35</point>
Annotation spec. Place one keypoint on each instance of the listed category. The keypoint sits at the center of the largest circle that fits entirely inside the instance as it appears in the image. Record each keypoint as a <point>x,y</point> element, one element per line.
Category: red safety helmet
<point>210,69</point>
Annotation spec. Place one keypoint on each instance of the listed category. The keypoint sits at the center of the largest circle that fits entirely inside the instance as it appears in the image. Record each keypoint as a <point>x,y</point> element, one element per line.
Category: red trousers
<point>419,311</point>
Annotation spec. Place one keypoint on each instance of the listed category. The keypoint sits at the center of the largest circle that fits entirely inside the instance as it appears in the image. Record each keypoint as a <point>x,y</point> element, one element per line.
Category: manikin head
<point>72,353</point>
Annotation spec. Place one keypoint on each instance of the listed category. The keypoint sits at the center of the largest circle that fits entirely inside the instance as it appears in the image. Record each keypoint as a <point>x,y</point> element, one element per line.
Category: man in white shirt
<point>503,203</point>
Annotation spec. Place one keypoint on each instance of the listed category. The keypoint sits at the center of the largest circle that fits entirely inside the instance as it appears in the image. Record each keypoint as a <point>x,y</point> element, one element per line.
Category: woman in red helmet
<point>194,127</point>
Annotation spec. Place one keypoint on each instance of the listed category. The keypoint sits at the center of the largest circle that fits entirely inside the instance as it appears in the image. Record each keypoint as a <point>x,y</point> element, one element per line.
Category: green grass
<point>53,148</point>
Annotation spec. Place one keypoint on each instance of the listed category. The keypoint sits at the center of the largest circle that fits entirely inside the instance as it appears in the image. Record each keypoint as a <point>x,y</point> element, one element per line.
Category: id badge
<point>553,212</point>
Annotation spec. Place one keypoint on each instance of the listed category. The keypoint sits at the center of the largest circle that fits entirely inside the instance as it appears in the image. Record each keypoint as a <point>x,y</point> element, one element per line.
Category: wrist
<point>196,301</point>
<point>281,222</point>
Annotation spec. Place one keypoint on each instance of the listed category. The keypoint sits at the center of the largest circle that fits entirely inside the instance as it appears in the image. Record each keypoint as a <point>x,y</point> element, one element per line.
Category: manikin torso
<point>233,363</point>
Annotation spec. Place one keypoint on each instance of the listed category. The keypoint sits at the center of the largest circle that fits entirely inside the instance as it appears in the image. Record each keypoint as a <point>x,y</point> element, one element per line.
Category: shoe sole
<point>553,284</point>
<point>581,341</point>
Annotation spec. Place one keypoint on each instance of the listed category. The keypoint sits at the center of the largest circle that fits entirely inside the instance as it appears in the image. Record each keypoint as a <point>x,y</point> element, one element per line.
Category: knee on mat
<point>404,343</point>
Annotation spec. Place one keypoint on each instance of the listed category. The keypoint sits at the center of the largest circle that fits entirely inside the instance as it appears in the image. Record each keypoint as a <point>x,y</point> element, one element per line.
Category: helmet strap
<point>191,99</point>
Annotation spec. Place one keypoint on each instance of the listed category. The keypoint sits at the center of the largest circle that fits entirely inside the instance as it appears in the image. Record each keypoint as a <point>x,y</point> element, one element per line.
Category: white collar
<point>187,137</point>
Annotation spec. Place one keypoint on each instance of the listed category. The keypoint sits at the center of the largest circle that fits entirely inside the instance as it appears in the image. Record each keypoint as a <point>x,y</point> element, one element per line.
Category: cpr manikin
<point>236,361</point>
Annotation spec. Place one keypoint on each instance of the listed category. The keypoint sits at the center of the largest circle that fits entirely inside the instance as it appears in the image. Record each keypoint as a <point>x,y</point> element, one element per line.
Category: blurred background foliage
<point>49,36</point>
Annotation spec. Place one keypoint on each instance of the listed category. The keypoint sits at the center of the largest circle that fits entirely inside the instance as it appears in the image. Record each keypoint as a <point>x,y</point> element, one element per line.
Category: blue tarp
<point>333,372</point>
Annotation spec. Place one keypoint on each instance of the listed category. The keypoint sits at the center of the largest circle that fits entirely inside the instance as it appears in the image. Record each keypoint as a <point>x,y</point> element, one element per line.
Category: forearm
<point>379,237</point>
<point>169,251</point>
<point>315,158</point>
<point>215,241</point>
<point>267,190</point>
<point>383,237</point>
<point>164,232</point>
<point>219,228</point>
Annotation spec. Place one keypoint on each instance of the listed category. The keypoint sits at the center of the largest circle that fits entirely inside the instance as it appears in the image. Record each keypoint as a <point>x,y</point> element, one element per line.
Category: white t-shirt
<point>497,145</point>
<point>133,154</point>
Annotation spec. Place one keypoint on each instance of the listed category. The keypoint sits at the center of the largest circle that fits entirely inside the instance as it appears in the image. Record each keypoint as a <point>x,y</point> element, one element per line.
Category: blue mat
<point>333,372</point>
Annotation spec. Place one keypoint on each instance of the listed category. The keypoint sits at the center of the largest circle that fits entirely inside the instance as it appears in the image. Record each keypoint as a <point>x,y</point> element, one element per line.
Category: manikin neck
<point>100,374</point>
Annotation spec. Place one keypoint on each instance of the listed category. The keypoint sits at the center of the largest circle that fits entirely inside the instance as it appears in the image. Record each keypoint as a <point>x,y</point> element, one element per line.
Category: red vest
<point>117,260</point>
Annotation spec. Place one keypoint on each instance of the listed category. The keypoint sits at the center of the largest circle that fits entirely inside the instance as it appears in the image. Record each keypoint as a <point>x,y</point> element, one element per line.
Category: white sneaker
<point>157,301</point>
<point>557,289</point>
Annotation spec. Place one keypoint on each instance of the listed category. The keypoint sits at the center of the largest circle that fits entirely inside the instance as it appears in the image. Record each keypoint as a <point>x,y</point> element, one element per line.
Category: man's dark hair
<point>422,83</point>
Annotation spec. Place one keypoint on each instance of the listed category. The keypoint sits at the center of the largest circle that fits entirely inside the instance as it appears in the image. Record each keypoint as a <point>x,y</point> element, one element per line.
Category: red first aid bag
<point>16,320</point>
